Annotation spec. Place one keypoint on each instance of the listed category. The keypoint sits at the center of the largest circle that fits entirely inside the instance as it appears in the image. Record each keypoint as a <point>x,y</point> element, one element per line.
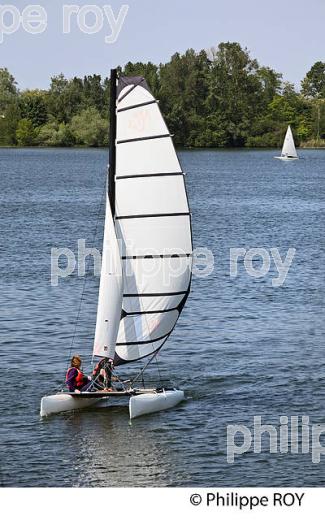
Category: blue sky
<point>287,35</point>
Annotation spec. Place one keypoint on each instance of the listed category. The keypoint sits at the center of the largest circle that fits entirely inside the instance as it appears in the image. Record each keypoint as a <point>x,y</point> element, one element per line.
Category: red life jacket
<point>79,378</point>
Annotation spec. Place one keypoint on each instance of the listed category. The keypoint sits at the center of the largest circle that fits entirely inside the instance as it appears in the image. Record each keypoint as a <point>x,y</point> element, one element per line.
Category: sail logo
<point>140,121</point>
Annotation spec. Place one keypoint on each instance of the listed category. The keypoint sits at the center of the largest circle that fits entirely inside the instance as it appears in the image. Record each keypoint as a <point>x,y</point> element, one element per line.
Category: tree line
<point>217,98</point>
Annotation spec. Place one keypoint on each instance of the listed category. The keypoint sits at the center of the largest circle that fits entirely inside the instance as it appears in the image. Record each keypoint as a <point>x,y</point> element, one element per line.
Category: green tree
<point>235,92</point>
<point>313,85</point>
<point>33,107</point>
<point>9,109</point>
<point>8,88</point>
<point>220,98</point>
<point>68,98</point>
<point>55,134</point>
<point>89,128</point>
<point>93,92</point>
<point>56,100</point>
<point>184,83</point>
<point>25,133</point>
<point>280,109</point>
<point>313,88</point>
<point>270,82</point>
<point>317,119</point>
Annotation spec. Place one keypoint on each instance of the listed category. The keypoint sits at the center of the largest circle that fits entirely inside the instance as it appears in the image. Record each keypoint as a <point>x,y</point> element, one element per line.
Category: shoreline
<point>180,148</point>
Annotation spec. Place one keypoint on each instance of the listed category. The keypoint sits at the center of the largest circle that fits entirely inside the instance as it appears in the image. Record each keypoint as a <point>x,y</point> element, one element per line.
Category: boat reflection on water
<point>111,451</point>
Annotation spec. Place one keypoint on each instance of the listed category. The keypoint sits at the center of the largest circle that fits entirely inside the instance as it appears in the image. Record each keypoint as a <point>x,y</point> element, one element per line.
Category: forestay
<point>152,222</point>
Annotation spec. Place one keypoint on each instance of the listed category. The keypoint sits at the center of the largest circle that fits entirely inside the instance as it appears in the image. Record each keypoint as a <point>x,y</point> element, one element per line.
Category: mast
<point>111,279</point>
<point>112,142</point>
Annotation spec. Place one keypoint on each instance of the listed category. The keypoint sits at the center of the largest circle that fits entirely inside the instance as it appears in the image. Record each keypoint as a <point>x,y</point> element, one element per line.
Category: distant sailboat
<point>147,250</point>
<point>289,152</point>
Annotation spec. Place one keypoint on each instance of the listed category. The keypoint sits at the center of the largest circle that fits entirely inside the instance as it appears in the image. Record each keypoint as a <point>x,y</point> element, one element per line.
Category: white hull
<point>63,403</point>
<point>287,158</point>
<point>148,401</point>
<point>154,402</point>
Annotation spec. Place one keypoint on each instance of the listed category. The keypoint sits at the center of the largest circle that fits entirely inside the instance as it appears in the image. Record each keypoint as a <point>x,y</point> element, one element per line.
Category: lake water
<point>241,348</point>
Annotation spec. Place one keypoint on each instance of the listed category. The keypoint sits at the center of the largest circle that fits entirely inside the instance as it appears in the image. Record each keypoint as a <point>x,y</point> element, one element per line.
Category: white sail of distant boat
<point>288,150</point>
<point>147,248</point>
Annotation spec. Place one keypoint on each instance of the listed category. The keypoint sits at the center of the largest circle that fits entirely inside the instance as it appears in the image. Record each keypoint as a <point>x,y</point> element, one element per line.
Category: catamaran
<point>289,152</point>
<point>147,251</point>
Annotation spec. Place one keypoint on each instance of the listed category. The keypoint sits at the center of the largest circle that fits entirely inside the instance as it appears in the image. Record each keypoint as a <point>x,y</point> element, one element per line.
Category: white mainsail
<point>289,149</point>
<point>110,292</point>
<point>152,222</point>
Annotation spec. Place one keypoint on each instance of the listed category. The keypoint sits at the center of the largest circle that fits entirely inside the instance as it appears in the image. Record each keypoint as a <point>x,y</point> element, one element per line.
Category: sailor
<point>102,373</point>
<point>75,380</point>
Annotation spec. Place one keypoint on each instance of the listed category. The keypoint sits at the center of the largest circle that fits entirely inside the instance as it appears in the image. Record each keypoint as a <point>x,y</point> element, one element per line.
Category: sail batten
<point>153,294</point>
<point>145,138</point>
<point>138,105</point>
<point>149,257</point>
<point>149,175</point>
<point>138,342</point>
<point>153,223</point>
<point>152,215</point>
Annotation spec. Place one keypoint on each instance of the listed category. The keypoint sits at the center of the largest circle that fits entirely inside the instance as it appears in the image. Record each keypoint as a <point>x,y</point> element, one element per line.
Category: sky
<point>287,35</point>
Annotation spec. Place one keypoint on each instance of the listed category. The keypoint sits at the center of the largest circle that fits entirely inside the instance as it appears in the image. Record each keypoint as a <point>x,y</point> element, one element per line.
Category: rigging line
<point>144,367</point>
<point>86,271</point>
<point>159,374</point>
